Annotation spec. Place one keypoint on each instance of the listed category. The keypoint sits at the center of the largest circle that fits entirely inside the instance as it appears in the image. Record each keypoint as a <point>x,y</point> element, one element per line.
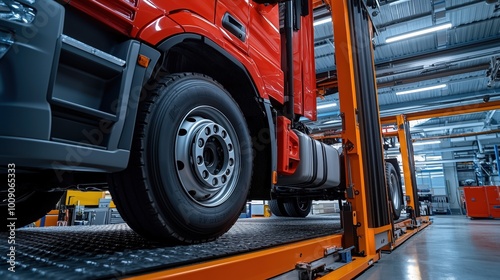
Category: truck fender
<point>166,27</point>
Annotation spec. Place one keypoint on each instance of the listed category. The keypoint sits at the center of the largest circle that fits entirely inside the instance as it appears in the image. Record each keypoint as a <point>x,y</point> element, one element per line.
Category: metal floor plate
<point>110,251</point>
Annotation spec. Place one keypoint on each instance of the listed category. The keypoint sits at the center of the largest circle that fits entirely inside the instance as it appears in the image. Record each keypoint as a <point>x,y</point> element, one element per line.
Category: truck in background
<point>183,109</point>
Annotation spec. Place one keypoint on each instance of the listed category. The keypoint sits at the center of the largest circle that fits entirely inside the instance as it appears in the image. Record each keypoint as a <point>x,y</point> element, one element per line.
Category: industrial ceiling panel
<point>462,59</point>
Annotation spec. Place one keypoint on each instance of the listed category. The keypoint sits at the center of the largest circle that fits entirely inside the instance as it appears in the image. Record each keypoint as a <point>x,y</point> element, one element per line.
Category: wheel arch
<point>195,53</point>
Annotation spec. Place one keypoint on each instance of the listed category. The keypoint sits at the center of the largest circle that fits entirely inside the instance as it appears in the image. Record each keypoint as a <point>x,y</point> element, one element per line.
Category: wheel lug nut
<point>200,142</point>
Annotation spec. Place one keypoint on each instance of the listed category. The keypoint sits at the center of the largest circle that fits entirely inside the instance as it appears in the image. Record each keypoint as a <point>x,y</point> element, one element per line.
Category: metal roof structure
<point>461,62</point>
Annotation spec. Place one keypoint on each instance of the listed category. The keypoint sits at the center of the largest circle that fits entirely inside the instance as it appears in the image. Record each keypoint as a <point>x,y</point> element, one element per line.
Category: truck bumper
<point>52,114</point>
<point>42,154</point>
<point>26,72</point>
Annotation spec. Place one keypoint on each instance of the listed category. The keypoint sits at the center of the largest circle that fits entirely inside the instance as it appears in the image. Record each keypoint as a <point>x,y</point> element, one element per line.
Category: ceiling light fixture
<point>421,89</point>
<point>323,106</point>
<point>418,32</point>
<point>426,143</point>
<point>398,2</point>
<point>322,21</point>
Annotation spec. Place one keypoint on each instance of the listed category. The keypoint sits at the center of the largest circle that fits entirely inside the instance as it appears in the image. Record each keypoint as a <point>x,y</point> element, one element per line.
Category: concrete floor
<point>453,247</point>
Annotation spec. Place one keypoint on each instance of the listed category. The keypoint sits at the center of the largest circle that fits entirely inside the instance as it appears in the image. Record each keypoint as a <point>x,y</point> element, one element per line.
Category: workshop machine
<point>184,110</point>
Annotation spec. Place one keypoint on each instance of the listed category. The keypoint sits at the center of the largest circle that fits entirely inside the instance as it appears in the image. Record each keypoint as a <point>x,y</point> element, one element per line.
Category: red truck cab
<point>183,109</point>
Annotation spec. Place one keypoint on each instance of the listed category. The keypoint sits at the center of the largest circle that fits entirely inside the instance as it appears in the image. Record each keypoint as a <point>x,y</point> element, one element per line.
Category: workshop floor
<point>453,247</point>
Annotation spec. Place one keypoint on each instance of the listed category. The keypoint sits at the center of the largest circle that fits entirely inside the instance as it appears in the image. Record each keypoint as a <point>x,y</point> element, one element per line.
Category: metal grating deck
<point>110,251</point>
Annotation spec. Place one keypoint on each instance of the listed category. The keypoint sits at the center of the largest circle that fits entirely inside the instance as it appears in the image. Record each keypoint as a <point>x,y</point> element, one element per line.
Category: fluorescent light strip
<point>322,21</point>
<point>323,106</point>
<point>397,2</point>
<point>421,89</point>
<point>418,33</point>
<point>425,143</point>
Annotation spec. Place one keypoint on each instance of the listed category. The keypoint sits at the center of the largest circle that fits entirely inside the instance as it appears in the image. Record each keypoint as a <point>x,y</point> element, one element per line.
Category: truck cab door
<point>233,19</point>
<point>265,46</point>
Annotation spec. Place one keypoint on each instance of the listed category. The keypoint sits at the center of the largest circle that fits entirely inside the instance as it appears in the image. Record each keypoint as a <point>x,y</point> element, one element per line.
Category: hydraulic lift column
<point>406,147</point>
<point>361,133</point>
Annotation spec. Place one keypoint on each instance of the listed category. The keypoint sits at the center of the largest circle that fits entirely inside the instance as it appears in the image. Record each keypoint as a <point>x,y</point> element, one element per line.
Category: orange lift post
<point>405,229</point>
<point>371,228</point>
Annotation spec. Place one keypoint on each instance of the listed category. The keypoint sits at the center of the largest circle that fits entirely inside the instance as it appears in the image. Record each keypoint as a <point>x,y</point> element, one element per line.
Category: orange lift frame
<point>402,123</point>
<point>268,263</point>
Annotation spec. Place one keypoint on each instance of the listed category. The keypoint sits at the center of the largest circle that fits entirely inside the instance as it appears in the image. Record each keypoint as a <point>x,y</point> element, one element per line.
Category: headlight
<point>6,40</point>
<point>14,11</point>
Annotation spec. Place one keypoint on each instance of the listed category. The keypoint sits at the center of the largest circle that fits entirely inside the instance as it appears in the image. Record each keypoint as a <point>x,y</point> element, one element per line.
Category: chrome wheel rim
<point>207,156</point>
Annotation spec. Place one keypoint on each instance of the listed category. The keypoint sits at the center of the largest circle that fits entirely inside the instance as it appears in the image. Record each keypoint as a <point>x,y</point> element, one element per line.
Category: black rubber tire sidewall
<point>293,208</point>
<point>396,209</point>
<point>184,215</point>
<point>277,207</point>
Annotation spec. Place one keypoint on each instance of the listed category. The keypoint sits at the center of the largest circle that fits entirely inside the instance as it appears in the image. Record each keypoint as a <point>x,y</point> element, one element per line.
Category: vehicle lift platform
<point>258,248</point>
<point>110,251</point>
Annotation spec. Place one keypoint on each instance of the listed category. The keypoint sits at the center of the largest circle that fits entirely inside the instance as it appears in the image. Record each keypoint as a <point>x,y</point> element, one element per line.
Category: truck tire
<point>29,206</point>
<point>298,207</point>
<point>277,207</point>
<point>395,190</point>
<point>191,162</point>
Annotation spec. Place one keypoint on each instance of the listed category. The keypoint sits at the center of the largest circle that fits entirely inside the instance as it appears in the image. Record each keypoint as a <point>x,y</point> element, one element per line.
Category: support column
<point>406,148</point>
<point>361,133</point>
<point>451,179</point>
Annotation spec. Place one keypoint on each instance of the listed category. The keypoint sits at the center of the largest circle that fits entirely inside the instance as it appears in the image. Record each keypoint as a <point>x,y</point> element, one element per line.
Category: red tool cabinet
<point>482,202</point>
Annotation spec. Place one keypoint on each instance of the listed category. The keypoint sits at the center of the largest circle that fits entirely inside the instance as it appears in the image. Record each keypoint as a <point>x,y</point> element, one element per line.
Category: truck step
<point>90,86</point>
<point>91,50</point>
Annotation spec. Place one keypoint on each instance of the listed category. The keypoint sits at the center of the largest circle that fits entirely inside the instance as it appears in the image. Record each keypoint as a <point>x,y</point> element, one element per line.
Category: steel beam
<point>459,135</point>
<point>445,103</point>
<point>479,49</point>
<point>437,75</point>
<point>445,112</point>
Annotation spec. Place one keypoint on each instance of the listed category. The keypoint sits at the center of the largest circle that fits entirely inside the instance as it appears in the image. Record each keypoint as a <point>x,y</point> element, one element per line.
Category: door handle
<point>234,26</point>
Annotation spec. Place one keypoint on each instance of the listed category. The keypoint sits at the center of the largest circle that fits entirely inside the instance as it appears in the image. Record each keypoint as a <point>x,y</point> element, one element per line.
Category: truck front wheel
<point>191,162</point>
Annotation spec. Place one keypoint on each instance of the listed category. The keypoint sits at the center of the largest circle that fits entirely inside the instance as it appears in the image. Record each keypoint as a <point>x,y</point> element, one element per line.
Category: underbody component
<point>319,166</point>
<point>30,205</point>
<point>288,147</point>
